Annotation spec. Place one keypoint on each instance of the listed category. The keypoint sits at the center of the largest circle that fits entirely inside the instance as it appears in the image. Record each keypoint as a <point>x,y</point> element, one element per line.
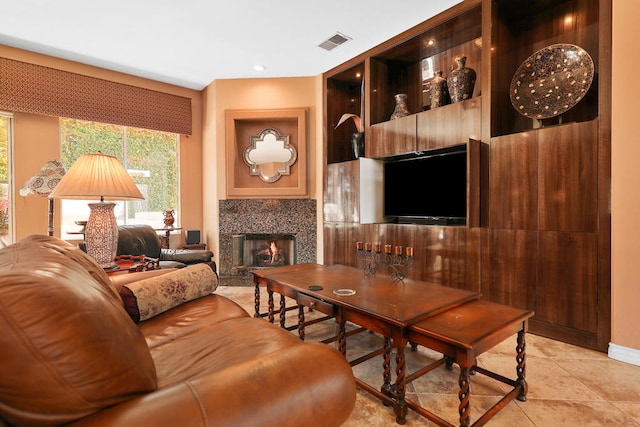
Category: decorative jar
<point>168,218</point>
<point>439,91</point>
<point>401,109</point>
<point>461,81</point>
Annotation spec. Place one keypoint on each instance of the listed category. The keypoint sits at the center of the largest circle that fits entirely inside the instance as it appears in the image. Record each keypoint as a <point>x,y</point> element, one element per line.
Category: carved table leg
<point>271,316</point>
<point>386,368</point>
<point>521,367</point>
<point>464,396</point>
<point>448,360</point>
<point>283,310</point>
<point>256,300</point>
<point>400,406</point>
<point>342,336</point>
<point>301,322</point>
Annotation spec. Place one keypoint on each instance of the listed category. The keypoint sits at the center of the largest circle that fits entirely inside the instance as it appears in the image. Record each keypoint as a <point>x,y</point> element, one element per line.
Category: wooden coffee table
<point>462,334</point>
<point>378,305</point>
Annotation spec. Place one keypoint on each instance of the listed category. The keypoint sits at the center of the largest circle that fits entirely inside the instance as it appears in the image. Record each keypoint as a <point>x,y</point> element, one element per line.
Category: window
<point>6,205</point>
<point>150,157</point>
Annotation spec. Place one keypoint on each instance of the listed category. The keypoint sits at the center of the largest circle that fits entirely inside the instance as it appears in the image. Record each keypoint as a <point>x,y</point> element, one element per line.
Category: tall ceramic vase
<point>461,81</point>
<point>401,109</point>
<point>439,91</point>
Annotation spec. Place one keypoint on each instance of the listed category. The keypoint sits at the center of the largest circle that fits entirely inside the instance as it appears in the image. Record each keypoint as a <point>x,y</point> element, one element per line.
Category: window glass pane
<point>152,162</point>
<point>80,138</point>
<point>5,188</point>
<point>150,157</point>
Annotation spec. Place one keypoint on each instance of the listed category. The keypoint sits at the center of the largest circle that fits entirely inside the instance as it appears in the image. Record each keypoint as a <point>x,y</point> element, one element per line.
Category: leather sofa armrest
<point>306,384</point>
<point>186,256</point>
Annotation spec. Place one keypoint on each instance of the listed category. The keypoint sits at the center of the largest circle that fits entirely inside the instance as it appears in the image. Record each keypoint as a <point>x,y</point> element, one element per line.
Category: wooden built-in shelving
<point>538,228</point>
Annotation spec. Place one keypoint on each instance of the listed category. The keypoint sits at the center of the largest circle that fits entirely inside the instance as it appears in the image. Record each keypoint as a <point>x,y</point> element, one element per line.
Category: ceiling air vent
<point>334,41</point>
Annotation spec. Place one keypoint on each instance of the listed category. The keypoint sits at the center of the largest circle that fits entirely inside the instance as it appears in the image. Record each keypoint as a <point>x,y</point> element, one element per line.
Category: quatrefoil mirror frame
<point>240,127</point>
<point>269,155</point>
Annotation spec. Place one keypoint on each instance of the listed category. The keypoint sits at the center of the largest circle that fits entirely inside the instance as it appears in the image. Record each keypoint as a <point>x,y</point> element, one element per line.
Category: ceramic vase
<point>439,91</point>
<point>357,144</point>
<point>168,218</point>
<point>401,109</point>
<point>461,81</point>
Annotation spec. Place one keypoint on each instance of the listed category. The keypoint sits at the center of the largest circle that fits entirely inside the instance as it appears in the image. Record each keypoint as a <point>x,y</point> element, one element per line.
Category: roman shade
<point>36,89</point>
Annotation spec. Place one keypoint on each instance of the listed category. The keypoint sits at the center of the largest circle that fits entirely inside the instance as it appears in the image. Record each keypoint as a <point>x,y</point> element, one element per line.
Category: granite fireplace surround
<point>265,216</point>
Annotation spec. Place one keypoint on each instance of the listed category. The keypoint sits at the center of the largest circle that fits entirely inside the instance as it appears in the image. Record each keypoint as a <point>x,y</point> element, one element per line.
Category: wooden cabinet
<point>513,187</point>
<point>449,124</point>
<point>538,231</point>
<point>354,192</point>
<point>392,137</point>
<point>568,177</point>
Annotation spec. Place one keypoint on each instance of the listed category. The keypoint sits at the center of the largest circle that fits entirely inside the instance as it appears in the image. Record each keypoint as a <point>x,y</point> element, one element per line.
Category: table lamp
<point>98,176</point>
<point>43,184</point>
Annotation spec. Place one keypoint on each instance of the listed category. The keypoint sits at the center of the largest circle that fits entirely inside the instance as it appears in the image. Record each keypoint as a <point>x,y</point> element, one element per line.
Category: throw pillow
<point>149,297</point>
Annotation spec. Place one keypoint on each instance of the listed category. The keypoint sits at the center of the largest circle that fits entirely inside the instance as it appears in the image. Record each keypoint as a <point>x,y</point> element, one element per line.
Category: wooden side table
<point>167,235</point>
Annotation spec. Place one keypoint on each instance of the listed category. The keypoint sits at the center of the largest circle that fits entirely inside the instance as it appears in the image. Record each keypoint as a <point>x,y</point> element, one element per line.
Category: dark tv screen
<point>428,189</point>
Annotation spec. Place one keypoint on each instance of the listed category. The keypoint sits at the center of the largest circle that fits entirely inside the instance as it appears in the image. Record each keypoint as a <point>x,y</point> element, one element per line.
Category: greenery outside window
<point>150,157</point>
<point>6,205</point>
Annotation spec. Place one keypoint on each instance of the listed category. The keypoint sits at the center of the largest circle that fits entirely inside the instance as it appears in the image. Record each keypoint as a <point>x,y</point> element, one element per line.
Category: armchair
<point>143,240</point>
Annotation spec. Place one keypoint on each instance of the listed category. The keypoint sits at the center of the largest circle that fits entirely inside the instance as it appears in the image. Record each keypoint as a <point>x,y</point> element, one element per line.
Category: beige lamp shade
<point>96,176</point>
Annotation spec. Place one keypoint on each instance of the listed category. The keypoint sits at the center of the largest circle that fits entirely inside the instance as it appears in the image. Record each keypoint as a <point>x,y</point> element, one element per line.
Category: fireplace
<point>263,250</point>
<point>249,227</point>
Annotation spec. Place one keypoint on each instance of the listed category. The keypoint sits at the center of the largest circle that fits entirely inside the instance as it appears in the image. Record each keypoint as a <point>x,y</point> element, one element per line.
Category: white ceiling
<point>190,43</point>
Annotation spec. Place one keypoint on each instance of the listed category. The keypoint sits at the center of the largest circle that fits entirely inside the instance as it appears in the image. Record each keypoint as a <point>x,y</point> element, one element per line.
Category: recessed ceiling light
<point>259,67</point>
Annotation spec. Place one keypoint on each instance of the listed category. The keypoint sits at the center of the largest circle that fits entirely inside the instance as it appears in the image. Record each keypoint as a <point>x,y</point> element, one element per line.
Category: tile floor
<point>568,385</point>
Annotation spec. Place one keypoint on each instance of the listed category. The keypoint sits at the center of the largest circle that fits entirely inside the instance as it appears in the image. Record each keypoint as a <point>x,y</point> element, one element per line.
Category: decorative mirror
<point>269,155</point>
<point>277,156</point>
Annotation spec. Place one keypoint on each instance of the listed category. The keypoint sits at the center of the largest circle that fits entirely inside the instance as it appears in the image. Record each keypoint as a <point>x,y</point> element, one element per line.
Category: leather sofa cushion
<point>219,347</point>
<point>73,349</point>
<point>210,310</point>
<point>147,298</point>
<point>217,330</point>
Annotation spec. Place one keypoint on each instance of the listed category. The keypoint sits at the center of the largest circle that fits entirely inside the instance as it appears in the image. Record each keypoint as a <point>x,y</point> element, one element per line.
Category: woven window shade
<point>35,89</point>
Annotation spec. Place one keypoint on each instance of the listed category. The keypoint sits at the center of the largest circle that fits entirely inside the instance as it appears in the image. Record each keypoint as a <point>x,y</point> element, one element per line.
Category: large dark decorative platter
<point>551,81</point>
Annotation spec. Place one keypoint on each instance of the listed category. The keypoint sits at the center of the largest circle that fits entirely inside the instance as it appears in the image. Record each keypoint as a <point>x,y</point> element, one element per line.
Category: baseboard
<point>624,354</point>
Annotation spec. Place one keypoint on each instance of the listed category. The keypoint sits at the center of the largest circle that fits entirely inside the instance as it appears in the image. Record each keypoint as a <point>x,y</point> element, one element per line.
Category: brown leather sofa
<point>143,240</point>
<point>71,355</point>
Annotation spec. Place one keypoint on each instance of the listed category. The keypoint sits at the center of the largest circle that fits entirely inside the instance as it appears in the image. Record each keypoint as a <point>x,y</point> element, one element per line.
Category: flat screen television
<point>428,187</point>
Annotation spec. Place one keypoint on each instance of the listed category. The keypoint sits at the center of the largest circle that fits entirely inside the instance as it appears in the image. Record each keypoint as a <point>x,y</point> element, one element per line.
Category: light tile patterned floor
<point>568,385</point>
